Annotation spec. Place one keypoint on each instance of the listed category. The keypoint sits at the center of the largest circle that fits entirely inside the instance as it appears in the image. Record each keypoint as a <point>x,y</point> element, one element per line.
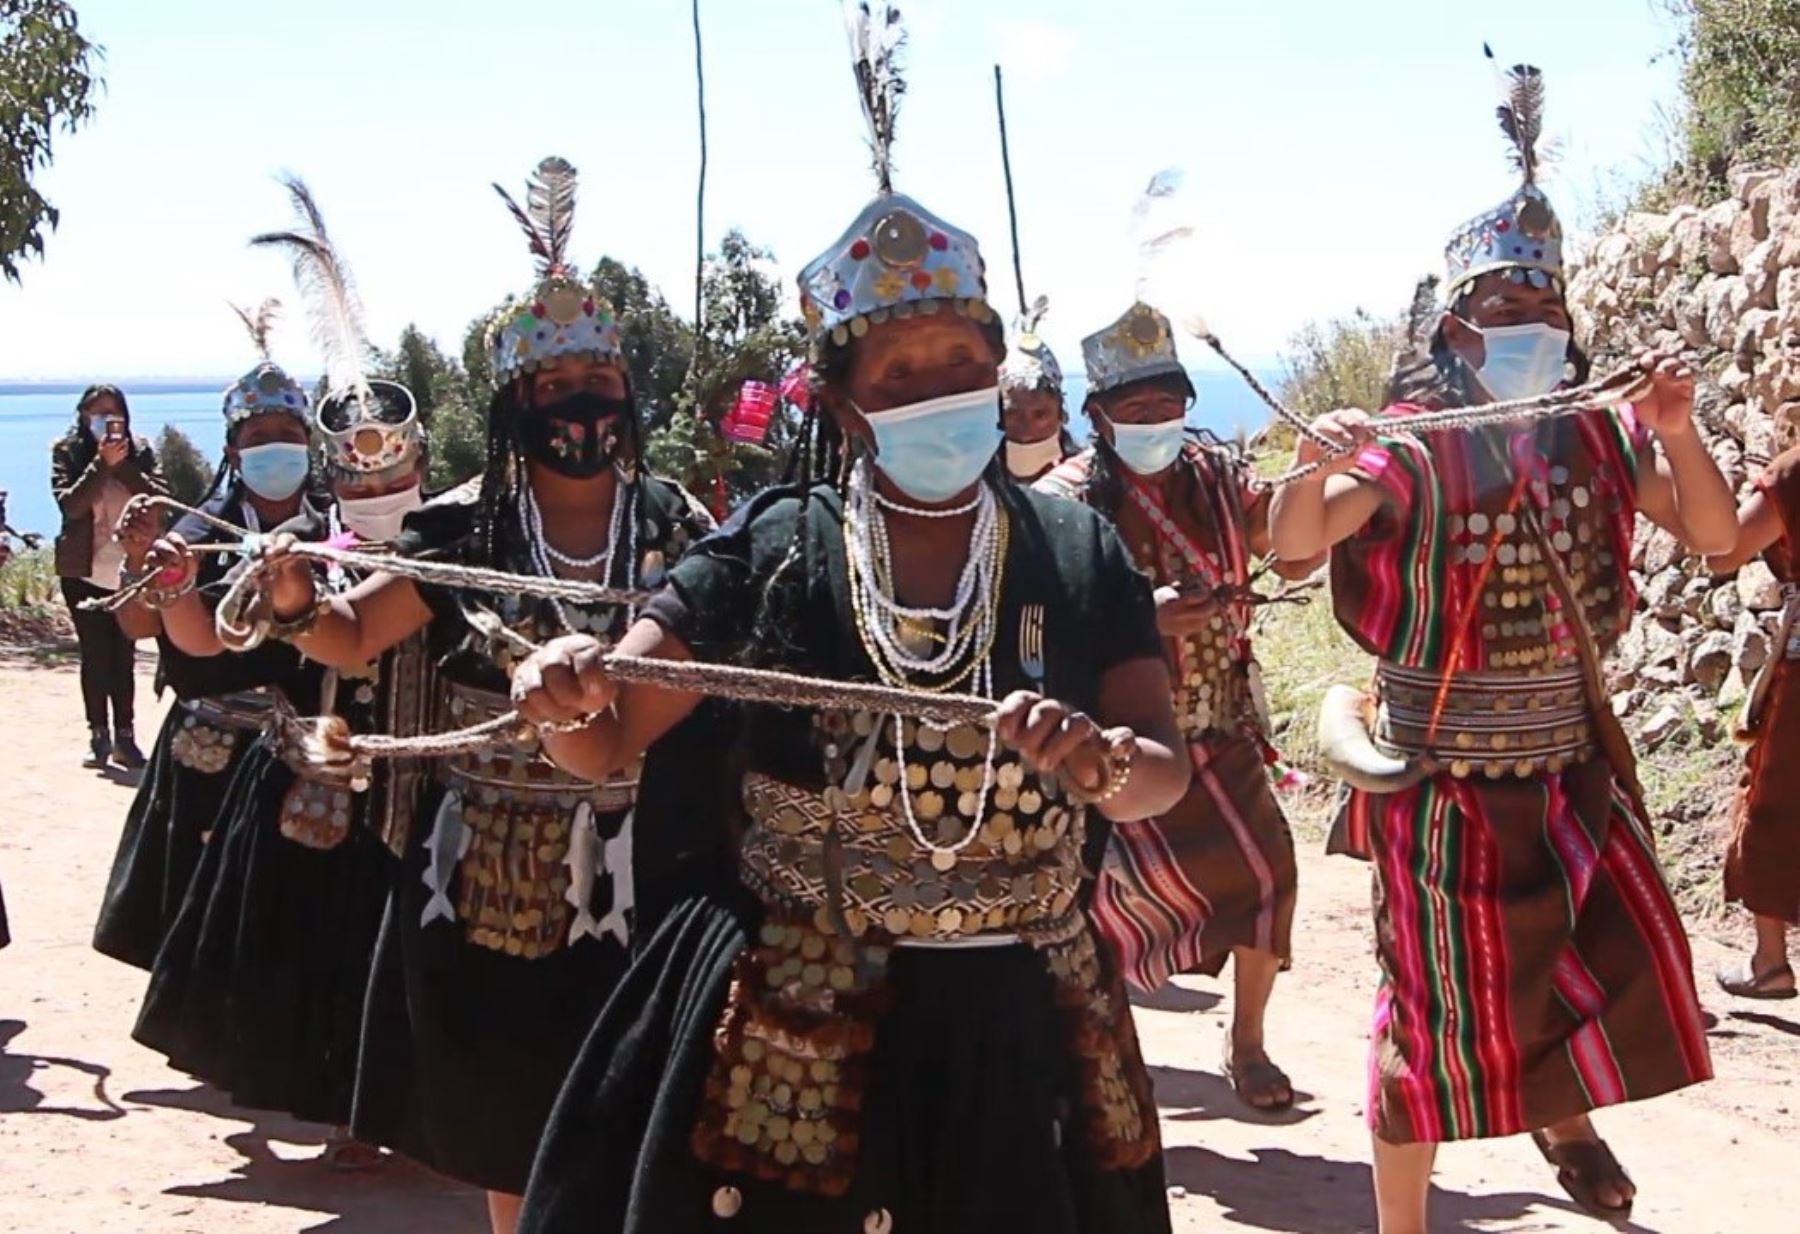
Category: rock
<point>1758,588</point>
<point>1787,287</point>
<point>1664,661</point>
<point>1710,660</point>
<point>1755,328</point>
<point>1759,437</point>
<point>1718,220</point>
<point>1624,702</point>
<point>1662,598</point>
<point>1761,275</point>
<point>1734,690</point>
<point>1694,595</point>
<point>1744,238</point>
<point>1726,301</point>
<point>1647,233</point>
<point>1661,726</point>
<point>1612,257</point>
<point>1749,643</point>
<point>1687,243</point>
<point>1747,183</point>
<point>1708,721</point>
<point>1735,381</point>
<point>1690,313</point>
<point>1723,607</point>
<point>1661,551</point>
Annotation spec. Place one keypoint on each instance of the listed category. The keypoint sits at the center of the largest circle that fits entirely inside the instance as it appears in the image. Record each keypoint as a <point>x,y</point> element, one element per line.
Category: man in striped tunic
<point>1213,879</point>
<point>1533,963</point>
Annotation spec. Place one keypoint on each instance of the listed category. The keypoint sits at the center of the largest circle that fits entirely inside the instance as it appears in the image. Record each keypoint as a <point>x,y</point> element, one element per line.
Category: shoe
<point>99,749</point>
<point>125,751</point>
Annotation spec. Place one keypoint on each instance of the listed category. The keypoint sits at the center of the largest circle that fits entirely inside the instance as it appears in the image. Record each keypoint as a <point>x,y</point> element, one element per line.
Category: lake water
<point>31,417</point>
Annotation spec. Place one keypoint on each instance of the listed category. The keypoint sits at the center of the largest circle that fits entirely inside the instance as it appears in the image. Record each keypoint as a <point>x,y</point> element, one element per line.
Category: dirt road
<point>97,1136</point>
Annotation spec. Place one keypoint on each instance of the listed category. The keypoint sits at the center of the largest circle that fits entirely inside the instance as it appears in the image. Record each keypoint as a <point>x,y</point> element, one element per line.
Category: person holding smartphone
<point>96,467</point>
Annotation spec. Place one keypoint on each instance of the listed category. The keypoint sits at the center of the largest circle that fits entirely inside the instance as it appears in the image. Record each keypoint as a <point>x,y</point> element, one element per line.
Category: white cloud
<point>1036,51</point>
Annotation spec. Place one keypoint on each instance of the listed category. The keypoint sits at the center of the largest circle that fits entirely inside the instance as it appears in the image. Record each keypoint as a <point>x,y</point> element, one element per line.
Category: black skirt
<point>969,1091</point>
<point>260,986</point>
<point>465,1048</point>
<point>176,807</point>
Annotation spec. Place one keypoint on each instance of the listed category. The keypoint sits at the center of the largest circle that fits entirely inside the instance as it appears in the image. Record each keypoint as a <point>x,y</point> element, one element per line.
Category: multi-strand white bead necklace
<point>546,557</point>
<point>963,652</point>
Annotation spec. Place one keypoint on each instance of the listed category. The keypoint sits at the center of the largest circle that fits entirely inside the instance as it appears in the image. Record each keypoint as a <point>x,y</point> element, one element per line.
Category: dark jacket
<point>77,474</point>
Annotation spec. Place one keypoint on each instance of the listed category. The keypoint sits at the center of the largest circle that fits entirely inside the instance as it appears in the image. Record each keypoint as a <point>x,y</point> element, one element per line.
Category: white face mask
<point>1027,460</point>
<point>1523,361</point>
<point>935,449</point>
<point>1149,448</point>
<point>378,519</point>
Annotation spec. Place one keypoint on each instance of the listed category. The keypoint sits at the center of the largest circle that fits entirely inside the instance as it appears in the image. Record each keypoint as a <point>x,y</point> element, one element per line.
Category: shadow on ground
<point>17,1071</point>
<point>398,1198</point>
<point>1201,1096</point>
<point>1293,1193</point>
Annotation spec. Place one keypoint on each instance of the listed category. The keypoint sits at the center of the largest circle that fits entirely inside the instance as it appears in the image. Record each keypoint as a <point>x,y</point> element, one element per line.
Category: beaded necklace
<point>964,651</point>
<point>545,557</point>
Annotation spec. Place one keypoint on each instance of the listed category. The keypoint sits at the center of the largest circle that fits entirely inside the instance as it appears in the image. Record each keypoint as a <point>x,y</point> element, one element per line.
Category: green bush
<point>189,473</point>
<point>1740,91</point>
<point>28,581</point>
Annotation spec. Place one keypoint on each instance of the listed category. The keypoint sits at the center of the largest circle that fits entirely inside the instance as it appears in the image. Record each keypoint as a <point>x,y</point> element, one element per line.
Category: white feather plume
<point>333,310</point>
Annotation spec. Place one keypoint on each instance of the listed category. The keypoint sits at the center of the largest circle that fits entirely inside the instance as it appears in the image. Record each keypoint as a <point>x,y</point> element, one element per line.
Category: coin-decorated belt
<point>1493,723</point>
<point>243,711</point>
<point>520,775</point>
<point>1020,878</point>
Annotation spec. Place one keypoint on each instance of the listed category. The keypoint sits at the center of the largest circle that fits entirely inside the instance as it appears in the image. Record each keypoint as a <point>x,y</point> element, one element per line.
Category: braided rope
<point>327,742</point>
<point>438,573</point>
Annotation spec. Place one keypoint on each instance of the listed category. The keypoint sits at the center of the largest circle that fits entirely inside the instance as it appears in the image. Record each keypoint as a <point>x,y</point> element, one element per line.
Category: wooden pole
<point>1012,209</point>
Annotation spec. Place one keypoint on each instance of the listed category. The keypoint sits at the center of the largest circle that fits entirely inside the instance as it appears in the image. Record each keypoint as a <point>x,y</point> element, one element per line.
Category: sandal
<point>1582,1168</point>
<point>1743,981</point>
<point>352,1156</point>
<point>1259,1077</point>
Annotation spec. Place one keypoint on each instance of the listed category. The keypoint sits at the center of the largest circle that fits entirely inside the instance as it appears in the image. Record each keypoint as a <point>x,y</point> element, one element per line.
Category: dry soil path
<point>98,1136</point>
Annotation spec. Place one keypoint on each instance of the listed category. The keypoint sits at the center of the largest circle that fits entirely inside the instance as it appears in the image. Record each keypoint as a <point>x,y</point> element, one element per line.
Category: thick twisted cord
<point>439,573</point>
<point>327,742</point>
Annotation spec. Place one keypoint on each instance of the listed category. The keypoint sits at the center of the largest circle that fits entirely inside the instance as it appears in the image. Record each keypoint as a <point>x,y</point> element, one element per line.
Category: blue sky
<point>1328,149</point>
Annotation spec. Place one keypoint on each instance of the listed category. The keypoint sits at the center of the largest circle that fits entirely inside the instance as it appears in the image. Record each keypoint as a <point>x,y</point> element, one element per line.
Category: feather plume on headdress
<point>1521,114</point>
<point>1422,315</point>
<point>1162,233</point>
<point>260,322</point>
<point>333,308</point>
<point>548,217</point>
<point>876,37</point>
<point>1034,315</point>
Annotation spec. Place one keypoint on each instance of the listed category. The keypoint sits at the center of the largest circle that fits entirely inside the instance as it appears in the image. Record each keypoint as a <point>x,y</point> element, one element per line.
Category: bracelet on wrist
<point>1120,756</point>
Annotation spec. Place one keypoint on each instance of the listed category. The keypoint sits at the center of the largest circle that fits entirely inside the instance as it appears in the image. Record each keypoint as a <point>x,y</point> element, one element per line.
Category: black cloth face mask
<point>577,436</point>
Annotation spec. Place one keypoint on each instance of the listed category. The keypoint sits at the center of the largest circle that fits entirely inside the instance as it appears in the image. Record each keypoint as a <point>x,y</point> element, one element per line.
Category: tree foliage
<point>189,473</point>
<point>746,338</point>
<point>1740,88</point>
<point>47,84</point>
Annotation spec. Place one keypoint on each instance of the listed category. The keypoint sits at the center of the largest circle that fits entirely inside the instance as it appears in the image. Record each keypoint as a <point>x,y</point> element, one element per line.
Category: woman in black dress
<point>260,988</point>
<point>515,902</point>
<point>222,700</point>
<point>898,1018</point>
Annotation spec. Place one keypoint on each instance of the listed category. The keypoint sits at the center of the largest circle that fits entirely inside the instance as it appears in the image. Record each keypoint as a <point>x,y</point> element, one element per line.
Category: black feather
<point>1521,114</point>
<point>548,216</point>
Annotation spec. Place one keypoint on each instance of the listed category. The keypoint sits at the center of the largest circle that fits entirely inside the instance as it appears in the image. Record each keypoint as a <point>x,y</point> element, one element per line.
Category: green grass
<point>1303,653</point>
<point>28,582</point>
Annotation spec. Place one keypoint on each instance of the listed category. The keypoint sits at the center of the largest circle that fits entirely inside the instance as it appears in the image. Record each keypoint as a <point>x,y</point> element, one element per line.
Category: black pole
<point>1012,209</point>
<point>699,215</point>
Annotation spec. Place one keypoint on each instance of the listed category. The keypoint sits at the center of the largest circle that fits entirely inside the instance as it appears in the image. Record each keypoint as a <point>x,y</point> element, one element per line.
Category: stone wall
<point>1722,284</point>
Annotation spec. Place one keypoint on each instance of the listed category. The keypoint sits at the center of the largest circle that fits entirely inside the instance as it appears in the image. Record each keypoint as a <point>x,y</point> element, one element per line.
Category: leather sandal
<point>1582,1168</point>
<point>1741,980</point>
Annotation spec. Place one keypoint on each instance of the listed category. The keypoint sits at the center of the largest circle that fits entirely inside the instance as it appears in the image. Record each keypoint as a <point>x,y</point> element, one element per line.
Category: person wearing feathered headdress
<point>231,1000</point>
<point>1186,893</point>
<point>510,922</point>
<point>1533,963</point>
<point>223,697</point>
<point>900,1008</point>
<point>1031,403</point>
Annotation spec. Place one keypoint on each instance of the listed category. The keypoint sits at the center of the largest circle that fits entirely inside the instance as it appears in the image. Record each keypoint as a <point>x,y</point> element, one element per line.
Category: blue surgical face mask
<point>1522,361</point>
<point>274,471</point>
<point>934,450</point>
<point>1148,448</point>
